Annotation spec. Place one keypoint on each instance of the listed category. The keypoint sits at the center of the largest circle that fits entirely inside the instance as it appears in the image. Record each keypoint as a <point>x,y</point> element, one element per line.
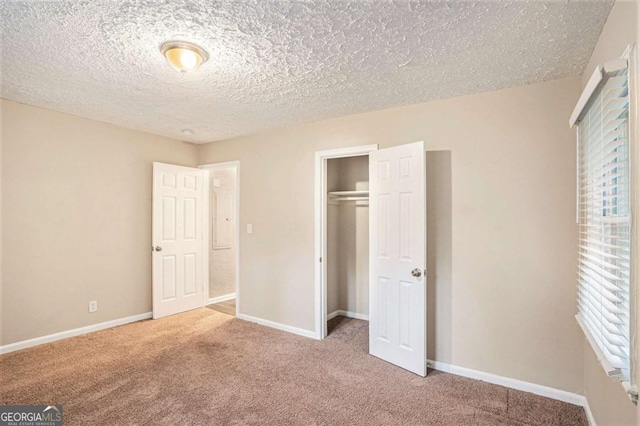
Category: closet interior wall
<point>348,239</point>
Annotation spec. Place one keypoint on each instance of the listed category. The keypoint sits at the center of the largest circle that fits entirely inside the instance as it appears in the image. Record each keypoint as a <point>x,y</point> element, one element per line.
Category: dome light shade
<point>183,56</point>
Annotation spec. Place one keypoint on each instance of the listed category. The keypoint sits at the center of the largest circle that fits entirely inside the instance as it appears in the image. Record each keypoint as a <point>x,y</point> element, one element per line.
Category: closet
<point>371,248</point>
<point>348,237</point>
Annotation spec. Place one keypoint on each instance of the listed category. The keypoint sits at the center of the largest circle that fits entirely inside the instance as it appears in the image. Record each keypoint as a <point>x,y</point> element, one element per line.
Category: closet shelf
<point>349,193</point>
<point>337,196</point>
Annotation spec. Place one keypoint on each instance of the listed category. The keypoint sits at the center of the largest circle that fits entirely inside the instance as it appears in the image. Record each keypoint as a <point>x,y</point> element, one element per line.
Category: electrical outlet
<point>93,306</point>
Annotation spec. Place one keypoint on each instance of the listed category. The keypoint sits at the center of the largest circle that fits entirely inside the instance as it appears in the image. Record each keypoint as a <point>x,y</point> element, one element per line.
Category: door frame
<point>225,165</point>
<point>320,228</point>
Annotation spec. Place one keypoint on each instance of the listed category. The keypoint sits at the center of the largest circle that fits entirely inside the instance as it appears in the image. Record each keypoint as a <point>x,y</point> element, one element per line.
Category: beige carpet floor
<point>207,368</point>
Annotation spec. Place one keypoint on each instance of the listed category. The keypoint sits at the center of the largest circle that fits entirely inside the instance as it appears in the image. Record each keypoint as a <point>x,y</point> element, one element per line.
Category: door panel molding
<point>179,210</point>
<point>398,294</point>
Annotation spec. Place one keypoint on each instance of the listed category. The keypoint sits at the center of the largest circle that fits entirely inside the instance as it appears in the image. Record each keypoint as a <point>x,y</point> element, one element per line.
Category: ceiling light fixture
<point>187,132</point>
<point>183,55</point>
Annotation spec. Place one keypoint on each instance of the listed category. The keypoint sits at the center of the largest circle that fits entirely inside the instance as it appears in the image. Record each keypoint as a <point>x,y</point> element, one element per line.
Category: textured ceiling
<point>278,63</point>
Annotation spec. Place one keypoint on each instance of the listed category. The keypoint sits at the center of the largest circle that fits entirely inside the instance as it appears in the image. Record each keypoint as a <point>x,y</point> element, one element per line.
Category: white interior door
<point>180,195</point>
<point>223,221</point>
<point>398,296</point>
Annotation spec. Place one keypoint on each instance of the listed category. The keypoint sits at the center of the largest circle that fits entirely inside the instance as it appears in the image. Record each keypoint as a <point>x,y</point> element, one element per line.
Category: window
<point>606,311</point>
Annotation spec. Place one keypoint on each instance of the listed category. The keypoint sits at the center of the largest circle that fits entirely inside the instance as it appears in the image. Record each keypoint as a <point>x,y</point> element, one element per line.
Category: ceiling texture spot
<point>276,63</point>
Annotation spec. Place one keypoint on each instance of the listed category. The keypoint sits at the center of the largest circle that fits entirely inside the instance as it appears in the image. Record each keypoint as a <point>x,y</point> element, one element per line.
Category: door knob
<point>158,248</point>
<point>417,272</point>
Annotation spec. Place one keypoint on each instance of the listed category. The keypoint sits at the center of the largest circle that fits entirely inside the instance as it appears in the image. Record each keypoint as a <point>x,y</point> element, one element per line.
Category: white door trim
<point>320,233</point>
<point>226,165</point>
<point>222,298</point>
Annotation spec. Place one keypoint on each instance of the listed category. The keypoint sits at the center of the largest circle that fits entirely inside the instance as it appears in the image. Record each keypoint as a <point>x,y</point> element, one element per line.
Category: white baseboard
<point>587,410</point>
<point>222,298</point>
<point>71,333</point>
<point>571,398</point>
<point>348,314</point>
<point>278,326</point>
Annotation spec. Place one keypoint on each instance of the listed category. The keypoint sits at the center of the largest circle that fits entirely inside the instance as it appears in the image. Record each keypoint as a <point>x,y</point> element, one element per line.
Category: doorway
<point>332,194</point>
<point>385,271</point>
<point>224,237</point>
<point>347,259</point>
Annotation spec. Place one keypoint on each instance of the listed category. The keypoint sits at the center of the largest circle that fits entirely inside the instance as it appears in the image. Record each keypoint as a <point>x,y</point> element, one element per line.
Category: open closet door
<point>398,296</point>
<point>180,197</point>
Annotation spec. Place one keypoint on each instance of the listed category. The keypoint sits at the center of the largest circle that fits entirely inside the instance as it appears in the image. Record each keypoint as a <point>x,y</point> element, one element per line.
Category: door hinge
<point>320,260</point>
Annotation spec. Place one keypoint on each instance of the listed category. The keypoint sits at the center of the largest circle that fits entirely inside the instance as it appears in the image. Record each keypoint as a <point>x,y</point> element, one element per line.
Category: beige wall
<point>76,219</point>
<point>607,400</point>
<point>353,257</point>
<point>222,261</point>
<point>509,305</point>
<point>439,283</point>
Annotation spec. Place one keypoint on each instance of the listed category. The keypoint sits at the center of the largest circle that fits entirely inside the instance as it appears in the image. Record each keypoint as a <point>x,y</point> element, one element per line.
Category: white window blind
<point>604,215</point>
